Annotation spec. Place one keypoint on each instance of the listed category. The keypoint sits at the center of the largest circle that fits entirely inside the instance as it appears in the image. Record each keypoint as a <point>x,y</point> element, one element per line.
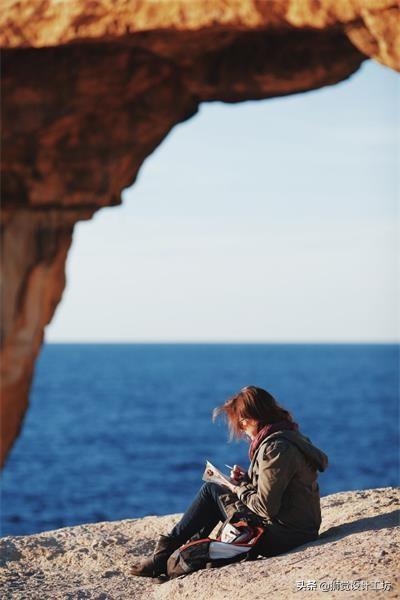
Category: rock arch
<point>91,88</point>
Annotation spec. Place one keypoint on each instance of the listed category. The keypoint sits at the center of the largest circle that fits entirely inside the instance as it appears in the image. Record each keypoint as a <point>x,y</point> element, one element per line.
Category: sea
<point>117,431</point>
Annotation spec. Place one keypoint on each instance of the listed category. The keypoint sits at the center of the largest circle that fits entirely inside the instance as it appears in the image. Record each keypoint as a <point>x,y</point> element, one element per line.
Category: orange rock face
<point>90,88</point>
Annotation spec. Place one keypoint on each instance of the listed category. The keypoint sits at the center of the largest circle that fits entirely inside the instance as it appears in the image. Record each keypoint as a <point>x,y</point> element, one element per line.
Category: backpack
<point>236,541</point>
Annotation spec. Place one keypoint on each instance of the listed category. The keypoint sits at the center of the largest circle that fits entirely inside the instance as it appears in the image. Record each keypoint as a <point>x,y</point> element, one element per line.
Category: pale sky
<point>271,221</point>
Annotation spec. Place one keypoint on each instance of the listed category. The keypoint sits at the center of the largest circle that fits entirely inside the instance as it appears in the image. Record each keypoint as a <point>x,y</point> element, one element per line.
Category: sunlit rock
<point>357,555</point>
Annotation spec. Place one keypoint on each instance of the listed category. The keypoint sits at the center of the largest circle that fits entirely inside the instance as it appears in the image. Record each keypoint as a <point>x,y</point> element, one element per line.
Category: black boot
<point>156,565</point>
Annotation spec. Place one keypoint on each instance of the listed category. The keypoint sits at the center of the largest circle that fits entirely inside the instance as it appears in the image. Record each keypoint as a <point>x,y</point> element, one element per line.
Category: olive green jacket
<point>281,485</point>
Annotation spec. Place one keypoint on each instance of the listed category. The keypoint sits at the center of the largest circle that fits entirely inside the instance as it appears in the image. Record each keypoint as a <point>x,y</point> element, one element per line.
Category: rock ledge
<point>359,543</point>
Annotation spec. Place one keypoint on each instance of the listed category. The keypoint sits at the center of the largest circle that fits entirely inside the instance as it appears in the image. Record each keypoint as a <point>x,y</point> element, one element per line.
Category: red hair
<point>251,403</point>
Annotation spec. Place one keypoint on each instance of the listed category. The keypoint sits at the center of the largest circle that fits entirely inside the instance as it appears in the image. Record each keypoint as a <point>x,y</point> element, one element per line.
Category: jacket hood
<point>304,444</point>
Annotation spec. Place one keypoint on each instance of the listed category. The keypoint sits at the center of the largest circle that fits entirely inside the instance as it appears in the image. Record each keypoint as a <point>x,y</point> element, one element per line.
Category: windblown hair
<point>251,403</point>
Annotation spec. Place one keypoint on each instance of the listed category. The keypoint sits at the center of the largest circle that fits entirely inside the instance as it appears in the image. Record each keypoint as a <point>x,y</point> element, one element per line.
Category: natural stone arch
<point>91,89</point>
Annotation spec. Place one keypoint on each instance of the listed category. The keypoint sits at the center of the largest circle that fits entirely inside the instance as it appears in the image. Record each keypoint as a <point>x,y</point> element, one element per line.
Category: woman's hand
<point>237,473</point>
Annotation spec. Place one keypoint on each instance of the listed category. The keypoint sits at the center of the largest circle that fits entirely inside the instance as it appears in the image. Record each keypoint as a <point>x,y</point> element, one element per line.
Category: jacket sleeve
<point>277,466</point>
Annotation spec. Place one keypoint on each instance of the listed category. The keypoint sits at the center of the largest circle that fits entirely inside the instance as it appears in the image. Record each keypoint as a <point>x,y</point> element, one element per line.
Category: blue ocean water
<point>121,431</point>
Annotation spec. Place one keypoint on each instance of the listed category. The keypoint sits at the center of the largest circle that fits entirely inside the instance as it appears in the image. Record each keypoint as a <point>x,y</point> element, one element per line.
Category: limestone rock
<point>34,247</point>
<point>55,23</point>
<point>359,542</point>
<point>92,87</point>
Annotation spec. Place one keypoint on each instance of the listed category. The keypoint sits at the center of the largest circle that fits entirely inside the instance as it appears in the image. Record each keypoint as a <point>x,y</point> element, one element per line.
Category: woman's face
<point>249,427</point>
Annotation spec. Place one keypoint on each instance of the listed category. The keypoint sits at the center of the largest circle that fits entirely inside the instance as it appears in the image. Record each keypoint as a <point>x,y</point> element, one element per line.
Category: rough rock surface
<point>91,87</point>
<point>359,541</point>
<point>52,23</point>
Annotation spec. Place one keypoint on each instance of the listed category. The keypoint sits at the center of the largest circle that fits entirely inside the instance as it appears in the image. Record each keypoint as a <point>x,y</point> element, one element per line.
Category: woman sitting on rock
<point>280,486</point>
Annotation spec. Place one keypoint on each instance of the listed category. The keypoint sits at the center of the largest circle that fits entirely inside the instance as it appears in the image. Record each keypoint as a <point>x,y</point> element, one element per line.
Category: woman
<point>280,486</point>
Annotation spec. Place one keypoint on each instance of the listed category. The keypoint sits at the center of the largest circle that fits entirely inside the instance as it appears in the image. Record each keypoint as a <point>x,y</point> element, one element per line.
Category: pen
<point>229,467</point>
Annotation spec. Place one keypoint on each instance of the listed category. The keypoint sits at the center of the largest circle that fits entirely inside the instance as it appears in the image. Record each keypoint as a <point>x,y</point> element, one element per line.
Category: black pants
<point>278,539</point>
<point>203,514</point>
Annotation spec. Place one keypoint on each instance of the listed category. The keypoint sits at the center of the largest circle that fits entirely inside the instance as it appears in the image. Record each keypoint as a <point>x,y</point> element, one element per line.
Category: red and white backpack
<point>236,541</point>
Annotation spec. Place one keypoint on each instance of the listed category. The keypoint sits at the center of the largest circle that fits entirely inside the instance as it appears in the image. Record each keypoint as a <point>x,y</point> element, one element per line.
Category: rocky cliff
<point>357,556</point>
<point>91,87</point>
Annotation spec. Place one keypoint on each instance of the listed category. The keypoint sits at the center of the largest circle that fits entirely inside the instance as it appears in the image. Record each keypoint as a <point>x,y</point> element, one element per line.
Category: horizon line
<point>226,342</point>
